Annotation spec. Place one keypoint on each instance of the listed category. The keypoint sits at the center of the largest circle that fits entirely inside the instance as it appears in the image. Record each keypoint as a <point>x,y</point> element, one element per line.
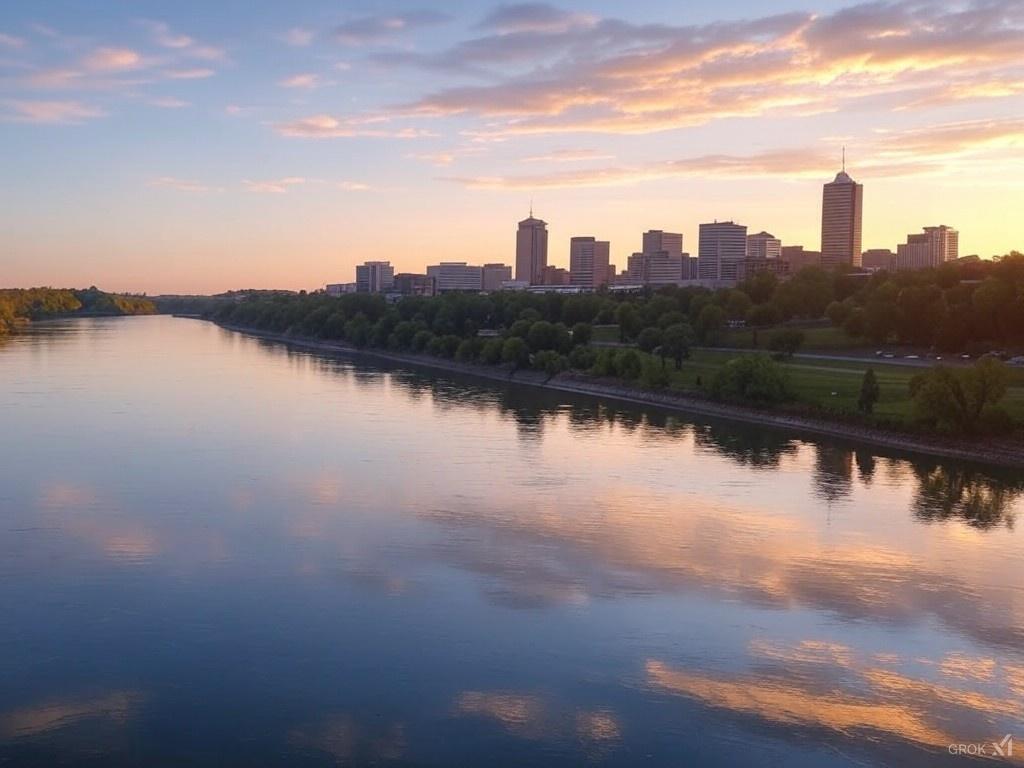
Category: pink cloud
<point>51,112</point>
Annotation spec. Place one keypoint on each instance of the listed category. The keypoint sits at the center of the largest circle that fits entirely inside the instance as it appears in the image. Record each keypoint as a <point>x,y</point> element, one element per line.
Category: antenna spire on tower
<point>531,207</point>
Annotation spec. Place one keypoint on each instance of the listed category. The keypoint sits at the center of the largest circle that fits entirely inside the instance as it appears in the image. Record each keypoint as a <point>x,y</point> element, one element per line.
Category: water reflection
<point>329,561</point>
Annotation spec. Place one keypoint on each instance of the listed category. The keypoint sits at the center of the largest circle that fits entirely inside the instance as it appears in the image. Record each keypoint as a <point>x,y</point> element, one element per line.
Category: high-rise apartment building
<point>494,275</point>
<point>531,250</point>
<point>842,204</point>
<point>375,277</point>
<point>763,245</point>
<point>722,246</point>
<point>588,262</point>
<point>456,276</point>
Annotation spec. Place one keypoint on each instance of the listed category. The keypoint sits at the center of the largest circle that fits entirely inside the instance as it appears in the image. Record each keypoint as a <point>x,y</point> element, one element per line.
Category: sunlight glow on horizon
<point>178,151</point>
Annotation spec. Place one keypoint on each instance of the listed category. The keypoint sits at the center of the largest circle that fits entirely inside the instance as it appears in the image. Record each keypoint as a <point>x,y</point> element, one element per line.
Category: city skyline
<point>171,150</point>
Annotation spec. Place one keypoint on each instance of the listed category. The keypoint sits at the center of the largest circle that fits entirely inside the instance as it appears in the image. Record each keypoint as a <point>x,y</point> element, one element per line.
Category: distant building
<point>410,284</point>
<point>691,267</point>
<point>763,246</point>
<point>338,289</point>
<point>878,258</point>
<point>932,248</point>
<point>721,247</point>
<point>656,241</point>
<point>842,203</point>
<point>752,266</point>
<point>494,275</point>
<point>456,276</point>
<point>552,275</point>
<point>658,268</point>
<point>375,277</point>
<point>588,262</point>
<point>799,258</point>
<point>531,250</point>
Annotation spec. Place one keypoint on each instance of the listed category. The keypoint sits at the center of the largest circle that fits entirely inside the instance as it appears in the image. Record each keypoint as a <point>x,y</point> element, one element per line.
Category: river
<point>216,550</point>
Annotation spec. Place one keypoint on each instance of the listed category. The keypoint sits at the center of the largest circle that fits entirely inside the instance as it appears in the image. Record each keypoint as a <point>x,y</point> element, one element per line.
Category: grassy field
<point>836,385</point>
<point>817,338</point>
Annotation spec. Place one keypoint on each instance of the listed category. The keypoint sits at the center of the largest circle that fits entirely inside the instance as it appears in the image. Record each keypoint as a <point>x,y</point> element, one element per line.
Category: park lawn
<point>605,333</point>
<point>817,338</point>
<point>835,385</point>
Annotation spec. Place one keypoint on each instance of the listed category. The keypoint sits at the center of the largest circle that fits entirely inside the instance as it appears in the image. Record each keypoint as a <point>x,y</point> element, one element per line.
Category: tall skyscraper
<point>375,277</point>
<point>722,246</point>
<point>531,250</point>
<point>588,262</point>
<point>841,215</point>
<point>763,245</point>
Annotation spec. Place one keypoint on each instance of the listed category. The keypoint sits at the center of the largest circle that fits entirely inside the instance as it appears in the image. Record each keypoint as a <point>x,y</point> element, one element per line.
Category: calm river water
<point>219,551</point>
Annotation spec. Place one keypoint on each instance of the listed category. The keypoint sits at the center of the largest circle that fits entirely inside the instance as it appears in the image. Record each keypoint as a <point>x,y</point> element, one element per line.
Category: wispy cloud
<point>372,29</point>
<point>306,80</point>
<point>925,150</point>
<point>534,17</point>
<point>10,41</point>
<point>329,127</point>
<point>112,60</point>
<point>568,156</point>
<point>55,112</point>
<point>193,73</point>
<point>169,102</point>
<point>550,71</point>
<point>183,44</point>
<point>277,186</point>
<point>180,185</point>
<point>299,37</point>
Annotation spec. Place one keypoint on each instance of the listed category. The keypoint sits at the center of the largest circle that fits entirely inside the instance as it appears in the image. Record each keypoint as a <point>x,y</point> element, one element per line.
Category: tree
<point>786,341</point>
<point>754,379</point>
<point>549,361</point>
<point>957,400</point>
<point>628,364</point>
<point>710,322</point>
<point>653,375</point>
<point>676,342</point>
<point>542,335</point>
<point>515,352</point>
<point>648,339</point>
<point>869,392</point>
<point>763,315</point>
<point>491,352</point>
<point>582,333</point>
<point>628,319</point>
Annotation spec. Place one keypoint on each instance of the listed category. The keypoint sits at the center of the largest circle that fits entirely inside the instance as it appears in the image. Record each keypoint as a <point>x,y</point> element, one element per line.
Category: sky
<point>196,147</point>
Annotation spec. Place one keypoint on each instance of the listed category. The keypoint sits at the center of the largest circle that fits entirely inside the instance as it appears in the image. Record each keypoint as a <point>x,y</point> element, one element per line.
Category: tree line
<point>20,304</point>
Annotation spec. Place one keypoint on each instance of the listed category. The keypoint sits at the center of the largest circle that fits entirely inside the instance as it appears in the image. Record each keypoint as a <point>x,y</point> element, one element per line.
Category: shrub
<point>628,364</point>
<point>752,379</point>
<point>422,340</point>
<point>582,358</point>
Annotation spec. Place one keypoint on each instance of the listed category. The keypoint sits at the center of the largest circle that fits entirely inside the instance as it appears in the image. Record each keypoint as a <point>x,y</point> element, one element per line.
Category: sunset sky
<point>198,147</point>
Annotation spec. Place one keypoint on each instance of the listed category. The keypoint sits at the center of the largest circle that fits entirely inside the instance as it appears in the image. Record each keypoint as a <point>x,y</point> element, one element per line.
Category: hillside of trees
<point>18,305</point>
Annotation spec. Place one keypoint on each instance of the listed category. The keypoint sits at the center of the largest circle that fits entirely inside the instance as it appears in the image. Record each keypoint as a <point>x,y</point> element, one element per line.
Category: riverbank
<point>1005,453</point>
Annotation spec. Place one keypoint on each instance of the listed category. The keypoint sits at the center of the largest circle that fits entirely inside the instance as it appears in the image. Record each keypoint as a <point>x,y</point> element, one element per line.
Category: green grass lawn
<point>815,381</point>
<point>816,338</point>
